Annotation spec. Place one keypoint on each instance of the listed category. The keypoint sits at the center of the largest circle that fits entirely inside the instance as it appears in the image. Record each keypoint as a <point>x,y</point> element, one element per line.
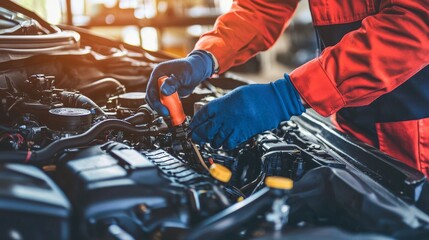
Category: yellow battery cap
<point>279,182</point>
<point>220,172</point>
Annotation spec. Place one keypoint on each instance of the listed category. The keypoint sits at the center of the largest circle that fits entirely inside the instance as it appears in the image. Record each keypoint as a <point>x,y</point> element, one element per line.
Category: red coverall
<point>388,48</point>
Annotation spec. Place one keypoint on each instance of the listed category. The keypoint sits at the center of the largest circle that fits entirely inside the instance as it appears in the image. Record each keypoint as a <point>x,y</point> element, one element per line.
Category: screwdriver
<point>178,117</point>
<point>173,104</point>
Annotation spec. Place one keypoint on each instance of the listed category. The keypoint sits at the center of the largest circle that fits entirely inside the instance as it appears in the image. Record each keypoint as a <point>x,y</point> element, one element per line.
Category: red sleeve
<point>389,48</point>
<point>249,27</point>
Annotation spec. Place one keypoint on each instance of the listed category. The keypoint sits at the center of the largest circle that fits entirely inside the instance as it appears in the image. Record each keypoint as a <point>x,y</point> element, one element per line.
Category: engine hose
<point>102,85</point>
<point>83,139</point>
<point>72,99</point>
<point>140,118</point>
<point>233,217</point>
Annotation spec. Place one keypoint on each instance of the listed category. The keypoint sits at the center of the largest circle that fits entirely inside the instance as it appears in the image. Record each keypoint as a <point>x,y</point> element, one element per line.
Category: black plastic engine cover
<point>349,198</point>
<point>143,193</point>
<point>31,205</point>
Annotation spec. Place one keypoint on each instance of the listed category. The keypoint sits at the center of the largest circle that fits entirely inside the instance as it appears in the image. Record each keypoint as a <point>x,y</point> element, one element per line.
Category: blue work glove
<point>184,75</point>
<point>244,112</point>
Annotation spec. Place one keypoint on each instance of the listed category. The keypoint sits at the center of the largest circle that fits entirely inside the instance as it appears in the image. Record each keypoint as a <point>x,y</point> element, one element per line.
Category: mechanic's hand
<point>244,112</point>
<point>184,75</point>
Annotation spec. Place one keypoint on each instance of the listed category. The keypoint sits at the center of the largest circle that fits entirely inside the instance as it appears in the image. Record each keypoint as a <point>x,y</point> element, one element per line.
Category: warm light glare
<point>195,30</point>
<point>47,9</point>
<point>54,16</point>
<point>146,10</point>
<point>109,19</point>
<point>224,5</point>
<point>131,35</point>
<point>78,7</point>
<point>128,4</point>
<point>162,7</point>
<point>108,3</point>
<point>149,39</point>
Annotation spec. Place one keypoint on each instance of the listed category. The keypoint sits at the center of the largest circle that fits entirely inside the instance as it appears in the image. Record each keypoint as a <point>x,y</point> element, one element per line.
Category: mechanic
<point>373,74</point>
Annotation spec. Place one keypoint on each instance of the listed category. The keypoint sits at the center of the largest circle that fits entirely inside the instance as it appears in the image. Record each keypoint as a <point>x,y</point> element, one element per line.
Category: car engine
<point>82,156</point>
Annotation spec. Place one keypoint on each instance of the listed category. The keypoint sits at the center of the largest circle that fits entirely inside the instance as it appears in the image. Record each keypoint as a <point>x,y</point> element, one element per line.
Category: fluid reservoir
<point>74,120</point>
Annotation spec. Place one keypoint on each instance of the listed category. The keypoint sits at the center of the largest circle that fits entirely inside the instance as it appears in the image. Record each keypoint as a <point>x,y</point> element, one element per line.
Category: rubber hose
<point>102,85</point>
<point>139,118</point>
<point>233,217</point>
<point>72,99</point>
<point>83,139</point>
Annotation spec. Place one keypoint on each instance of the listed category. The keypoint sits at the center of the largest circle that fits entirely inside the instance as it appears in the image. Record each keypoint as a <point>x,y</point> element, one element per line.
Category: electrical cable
<point>200,158</point>
<point>248,186</point>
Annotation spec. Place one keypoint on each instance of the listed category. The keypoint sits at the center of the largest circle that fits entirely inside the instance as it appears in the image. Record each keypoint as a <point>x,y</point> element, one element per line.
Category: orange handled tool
<point>173,104</point>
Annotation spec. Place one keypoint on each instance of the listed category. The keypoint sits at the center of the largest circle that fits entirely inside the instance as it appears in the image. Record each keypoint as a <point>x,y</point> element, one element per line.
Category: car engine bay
<point>82,156</point>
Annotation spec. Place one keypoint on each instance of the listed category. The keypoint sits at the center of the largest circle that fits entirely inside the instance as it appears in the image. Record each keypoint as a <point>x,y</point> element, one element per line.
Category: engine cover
<point>31,205</point>
<point>144,193</point>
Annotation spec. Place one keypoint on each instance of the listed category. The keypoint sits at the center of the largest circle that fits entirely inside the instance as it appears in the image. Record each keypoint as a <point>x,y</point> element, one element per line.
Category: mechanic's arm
<point>249,27</point>
<point>388,49</point>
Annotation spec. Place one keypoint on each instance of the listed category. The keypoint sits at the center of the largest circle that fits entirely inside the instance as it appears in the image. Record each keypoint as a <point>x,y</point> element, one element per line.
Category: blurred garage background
<point>175,25</point>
